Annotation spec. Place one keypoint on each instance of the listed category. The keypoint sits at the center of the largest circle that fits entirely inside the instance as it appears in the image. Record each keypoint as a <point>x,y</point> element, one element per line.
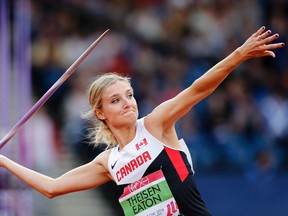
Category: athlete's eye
<point>130,95</point>
<point>115,100</point>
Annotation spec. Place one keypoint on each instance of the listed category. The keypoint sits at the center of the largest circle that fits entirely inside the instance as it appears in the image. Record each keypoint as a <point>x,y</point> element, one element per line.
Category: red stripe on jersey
<point>178,162</point>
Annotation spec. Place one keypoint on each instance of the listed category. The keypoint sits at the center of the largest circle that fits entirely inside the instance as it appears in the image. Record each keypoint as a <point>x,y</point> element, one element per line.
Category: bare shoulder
<point>163,117</point>
<point>164,133</point>
<point>152,125</point>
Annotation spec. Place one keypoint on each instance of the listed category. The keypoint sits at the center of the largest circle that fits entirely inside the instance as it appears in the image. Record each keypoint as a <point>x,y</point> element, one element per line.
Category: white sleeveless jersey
<point>139,153</point>
<point>133,166</point>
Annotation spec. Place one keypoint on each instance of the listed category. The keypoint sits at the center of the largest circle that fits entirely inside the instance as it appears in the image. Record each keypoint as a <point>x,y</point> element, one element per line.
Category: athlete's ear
<point>99,114</point>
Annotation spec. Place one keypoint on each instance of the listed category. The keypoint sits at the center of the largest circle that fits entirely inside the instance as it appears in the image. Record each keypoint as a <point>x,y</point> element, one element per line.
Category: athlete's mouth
<point>128,112</point>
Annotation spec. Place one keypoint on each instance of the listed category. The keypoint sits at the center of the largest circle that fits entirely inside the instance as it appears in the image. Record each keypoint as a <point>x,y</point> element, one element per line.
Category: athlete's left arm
<point>257,45</point>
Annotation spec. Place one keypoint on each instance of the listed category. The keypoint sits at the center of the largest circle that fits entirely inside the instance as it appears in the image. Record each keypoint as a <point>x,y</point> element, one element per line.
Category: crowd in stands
<point>164,45</point>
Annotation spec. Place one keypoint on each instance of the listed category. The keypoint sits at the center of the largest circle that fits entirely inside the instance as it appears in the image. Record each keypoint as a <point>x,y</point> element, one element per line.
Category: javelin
<point>48,94</point>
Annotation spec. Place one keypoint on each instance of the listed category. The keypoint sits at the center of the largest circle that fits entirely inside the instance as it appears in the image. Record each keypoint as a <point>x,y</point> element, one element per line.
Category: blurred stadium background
<point>238,136</point>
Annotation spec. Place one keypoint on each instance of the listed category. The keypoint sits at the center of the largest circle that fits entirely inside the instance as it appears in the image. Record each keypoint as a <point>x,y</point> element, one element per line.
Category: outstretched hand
<point>259,45</point>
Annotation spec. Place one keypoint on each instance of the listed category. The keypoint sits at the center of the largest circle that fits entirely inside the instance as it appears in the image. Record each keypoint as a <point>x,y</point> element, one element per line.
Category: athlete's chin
<point>131,117</point>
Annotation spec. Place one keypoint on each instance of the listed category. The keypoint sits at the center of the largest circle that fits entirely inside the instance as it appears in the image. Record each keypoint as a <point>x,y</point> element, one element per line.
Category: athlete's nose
<point>126,102</point>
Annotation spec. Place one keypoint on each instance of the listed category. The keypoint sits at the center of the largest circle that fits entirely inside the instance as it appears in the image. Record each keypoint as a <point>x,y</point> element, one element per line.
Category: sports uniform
<point>155,179</point>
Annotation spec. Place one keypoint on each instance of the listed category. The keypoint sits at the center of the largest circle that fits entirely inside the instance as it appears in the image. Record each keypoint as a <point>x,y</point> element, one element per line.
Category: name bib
<point>149,196</point>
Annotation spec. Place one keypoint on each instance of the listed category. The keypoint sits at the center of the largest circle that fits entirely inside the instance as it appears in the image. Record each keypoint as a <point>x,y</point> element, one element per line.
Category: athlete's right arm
<point>84,177</point>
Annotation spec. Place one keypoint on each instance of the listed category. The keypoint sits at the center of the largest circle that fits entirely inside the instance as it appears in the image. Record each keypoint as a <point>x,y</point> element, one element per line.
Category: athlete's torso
<point>145,155</point>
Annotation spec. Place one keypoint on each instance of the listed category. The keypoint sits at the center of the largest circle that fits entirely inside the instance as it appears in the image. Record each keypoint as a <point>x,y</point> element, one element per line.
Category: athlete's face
<point>119,107</point>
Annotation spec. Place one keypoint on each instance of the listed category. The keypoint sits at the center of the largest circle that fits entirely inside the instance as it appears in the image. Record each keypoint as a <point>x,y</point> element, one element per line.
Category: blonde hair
<point>100,133</point>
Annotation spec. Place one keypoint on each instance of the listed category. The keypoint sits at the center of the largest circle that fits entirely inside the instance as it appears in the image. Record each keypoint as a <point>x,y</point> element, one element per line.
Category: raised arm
<point>257,45</point>
<point>84,177</point>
